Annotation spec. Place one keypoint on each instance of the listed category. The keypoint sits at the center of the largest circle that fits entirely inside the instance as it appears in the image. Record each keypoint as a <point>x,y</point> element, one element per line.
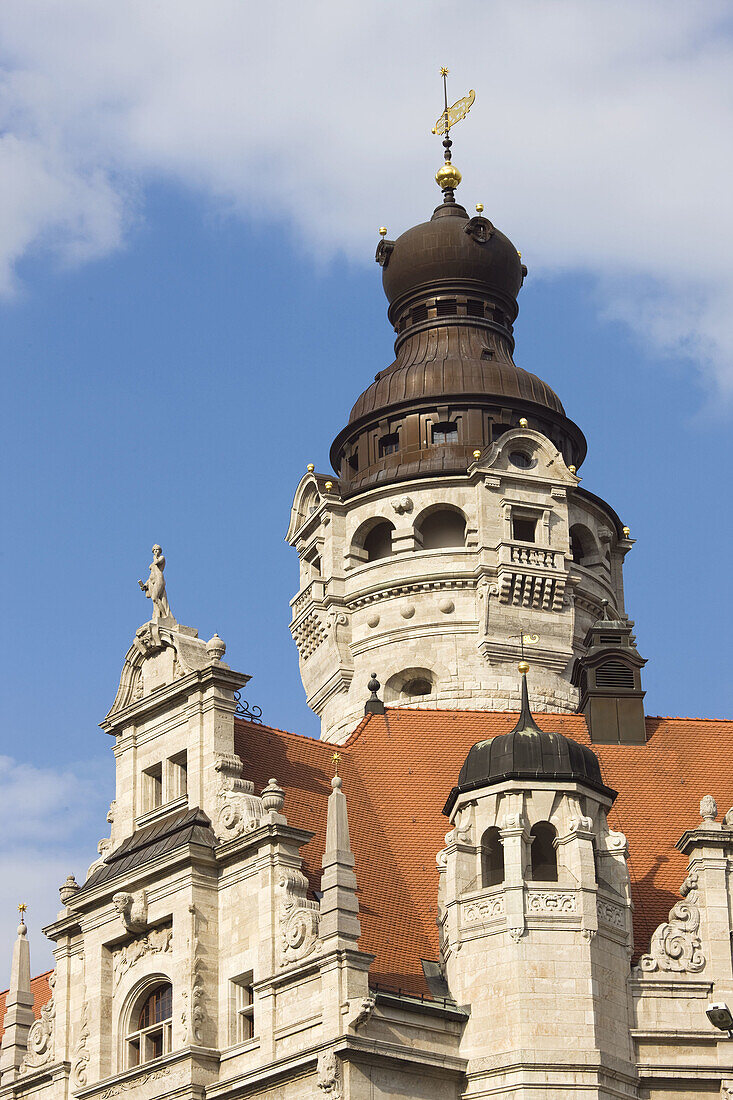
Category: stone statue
<point>154,587</point>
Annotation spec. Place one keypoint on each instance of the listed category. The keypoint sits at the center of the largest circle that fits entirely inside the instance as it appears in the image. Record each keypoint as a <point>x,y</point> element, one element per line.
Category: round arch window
<point>419,685</point>
<point>151,1026</point>
<point>521,460</point>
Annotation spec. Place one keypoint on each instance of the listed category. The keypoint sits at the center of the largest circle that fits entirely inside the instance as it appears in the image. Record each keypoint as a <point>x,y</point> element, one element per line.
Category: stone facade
<point>451,617</point>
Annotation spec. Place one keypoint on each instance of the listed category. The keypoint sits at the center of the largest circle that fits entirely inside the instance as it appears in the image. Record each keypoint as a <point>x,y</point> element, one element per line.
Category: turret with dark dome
<point>452,284</point>
<point>528,752</point>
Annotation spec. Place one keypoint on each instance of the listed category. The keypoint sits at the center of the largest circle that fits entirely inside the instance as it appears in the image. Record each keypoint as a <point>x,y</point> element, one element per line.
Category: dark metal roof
<point>528,753</point>
<point>146,844</point>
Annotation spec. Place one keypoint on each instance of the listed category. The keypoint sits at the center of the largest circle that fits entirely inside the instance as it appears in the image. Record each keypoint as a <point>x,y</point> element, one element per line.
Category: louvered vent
<point>615,674</point>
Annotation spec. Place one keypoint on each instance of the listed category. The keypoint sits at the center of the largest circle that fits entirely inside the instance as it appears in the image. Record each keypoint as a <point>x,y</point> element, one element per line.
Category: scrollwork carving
<point>80,1063</point>
<point>676,946</point>
<point>299,918</point>
<point>41,1036</point>
<point>543,901</point>
<point>134,1083</point>
<point>240,809</point>
<point>484,910</point>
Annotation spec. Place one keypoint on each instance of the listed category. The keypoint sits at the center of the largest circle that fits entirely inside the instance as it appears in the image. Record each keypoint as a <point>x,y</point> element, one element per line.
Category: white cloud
<point>49,823</point>
<point>598,140</point>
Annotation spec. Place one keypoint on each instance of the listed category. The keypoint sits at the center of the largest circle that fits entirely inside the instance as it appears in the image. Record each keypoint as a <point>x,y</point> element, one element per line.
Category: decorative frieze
<point>156,942</point>
<point>483,910</point>
<point>132,1084</point>
<point>550,903</point>
<point>611,914</point>
<point>393,590</point>
<point>309,634</point>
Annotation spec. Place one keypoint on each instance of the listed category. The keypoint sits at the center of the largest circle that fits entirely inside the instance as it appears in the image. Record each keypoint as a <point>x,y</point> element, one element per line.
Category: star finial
<point>22,908</point>
<point>335,759</point>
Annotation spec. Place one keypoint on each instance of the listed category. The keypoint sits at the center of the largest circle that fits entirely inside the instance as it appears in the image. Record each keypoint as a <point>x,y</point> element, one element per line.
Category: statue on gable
<point>154,587</point>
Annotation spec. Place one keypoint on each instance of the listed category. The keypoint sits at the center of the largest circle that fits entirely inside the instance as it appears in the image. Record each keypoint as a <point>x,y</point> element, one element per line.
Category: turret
<point>535,917</point>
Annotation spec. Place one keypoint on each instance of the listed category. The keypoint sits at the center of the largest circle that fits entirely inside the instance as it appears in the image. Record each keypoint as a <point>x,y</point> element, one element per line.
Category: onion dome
<point>528,753</point>
<point>452,284</point>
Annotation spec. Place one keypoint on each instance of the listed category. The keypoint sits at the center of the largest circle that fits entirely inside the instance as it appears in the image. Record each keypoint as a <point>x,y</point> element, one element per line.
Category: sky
<point>190,195</point>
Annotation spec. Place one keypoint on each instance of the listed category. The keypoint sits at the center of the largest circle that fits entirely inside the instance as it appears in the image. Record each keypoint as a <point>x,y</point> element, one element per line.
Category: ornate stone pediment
<point>161,653</point>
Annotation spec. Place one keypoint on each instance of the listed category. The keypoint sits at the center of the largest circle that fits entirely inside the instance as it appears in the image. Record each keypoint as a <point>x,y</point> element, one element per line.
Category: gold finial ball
<point>573,469</point>
<point>383,231</point>
<point>519,254</point>
<point>627,532</point>
<point>310,468</point>
<point>477,455</point>
<point>448,177</point>
<point>479,208</point>
<point>328,486</point>
<point>434,130</point>
<point>523,422</point>
<point>523,666</point>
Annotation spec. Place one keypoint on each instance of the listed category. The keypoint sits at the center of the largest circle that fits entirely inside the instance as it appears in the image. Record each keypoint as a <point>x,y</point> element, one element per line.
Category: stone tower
<point>455,521</point>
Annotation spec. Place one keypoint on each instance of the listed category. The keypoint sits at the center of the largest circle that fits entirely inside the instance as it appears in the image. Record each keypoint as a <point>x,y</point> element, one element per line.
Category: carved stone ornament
<point>487,909</point>
<point>480,229</point>
<point>360,1010</point>
<point>154,586</point>
<point>299,919</point>
<point>40,1037</point>
<point>329,1074</point>
<point>676,946</point>
<point>550,902</point>
<point>404,504</point>
<point>516,934</point>
<point>240,810</point>
<point>133,908</point>
<point>132,1084</point>
<point>708,808</point>
<point>80,1061</point>
<point>157,941</point>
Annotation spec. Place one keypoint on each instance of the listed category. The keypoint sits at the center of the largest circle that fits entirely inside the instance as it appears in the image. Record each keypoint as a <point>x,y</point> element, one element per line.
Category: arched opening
<point>582,544</point>
<point>149,1036</point>
<point>441,528</point>
<point>492,858</point>
<point>543,852</point>
<point>378,541</point>
<point>416,687</point>
<point>410,685</point>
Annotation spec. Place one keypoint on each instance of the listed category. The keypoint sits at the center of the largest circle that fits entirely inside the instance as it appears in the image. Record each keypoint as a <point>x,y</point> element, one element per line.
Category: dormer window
<point>445,432</point>
<point>388,444</point>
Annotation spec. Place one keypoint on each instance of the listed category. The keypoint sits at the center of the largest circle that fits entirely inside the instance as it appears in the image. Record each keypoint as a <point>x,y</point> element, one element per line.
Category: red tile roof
<point>397,772</point>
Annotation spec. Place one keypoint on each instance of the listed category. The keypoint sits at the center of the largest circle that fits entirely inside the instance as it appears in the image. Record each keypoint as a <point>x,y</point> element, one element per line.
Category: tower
<point>455,521</point>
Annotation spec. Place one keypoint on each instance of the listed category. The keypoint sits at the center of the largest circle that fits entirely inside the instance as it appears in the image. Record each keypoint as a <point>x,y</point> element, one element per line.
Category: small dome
<point>452,247</point>
<point>528,753</point>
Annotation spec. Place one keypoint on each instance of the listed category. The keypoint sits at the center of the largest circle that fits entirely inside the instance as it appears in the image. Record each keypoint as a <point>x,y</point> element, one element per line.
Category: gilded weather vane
<point>448,177</point>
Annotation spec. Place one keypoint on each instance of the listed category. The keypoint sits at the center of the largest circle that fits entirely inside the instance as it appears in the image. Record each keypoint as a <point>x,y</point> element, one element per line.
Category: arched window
<point>420,685</point>
<point>441,528</point>
<point>378,542</point>
<point>544,854</point>
<point>150,1026</point>
<point>582,544</point>
<point>492,858</point>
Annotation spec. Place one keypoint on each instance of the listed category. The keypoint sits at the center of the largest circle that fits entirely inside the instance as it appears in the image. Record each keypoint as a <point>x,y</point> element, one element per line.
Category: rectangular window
<point>152,788</point>
<point>177,777</point>
<point>388,444</point>
<point>446,432</point>
<point>524,529</point>
<point>243,1009</point>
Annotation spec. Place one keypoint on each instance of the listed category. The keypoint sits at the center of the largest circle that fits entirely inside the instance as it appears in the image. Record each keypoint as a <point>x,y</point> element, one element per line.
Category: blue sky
<point>186,322</point>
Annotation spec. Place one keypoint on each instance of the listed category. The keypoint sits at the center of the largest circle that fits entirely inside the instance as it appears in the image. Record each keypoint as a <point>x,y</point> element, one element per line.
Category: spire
<point>448,177</point>
<point>526,723</point>
<point>18,1005</point>
<point>339,925</point>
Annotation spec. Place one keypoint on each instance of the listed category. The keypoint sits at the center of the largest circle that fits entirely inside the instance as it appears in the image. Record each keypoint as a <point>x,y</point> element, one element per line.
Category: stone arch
<point>492,858</point>
<point>583,545</point>
<point>440,526</point>
<point>543,852</point>
<point>129,1013</point>
<point>410,686</point>
<point>373,540</point>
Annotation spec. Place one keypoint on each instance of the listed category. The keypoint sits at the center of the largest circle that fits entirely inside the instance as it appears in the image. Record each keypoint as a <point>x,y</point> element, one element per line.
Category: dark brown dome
<point>451,247</point>
<point>452,284</point>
